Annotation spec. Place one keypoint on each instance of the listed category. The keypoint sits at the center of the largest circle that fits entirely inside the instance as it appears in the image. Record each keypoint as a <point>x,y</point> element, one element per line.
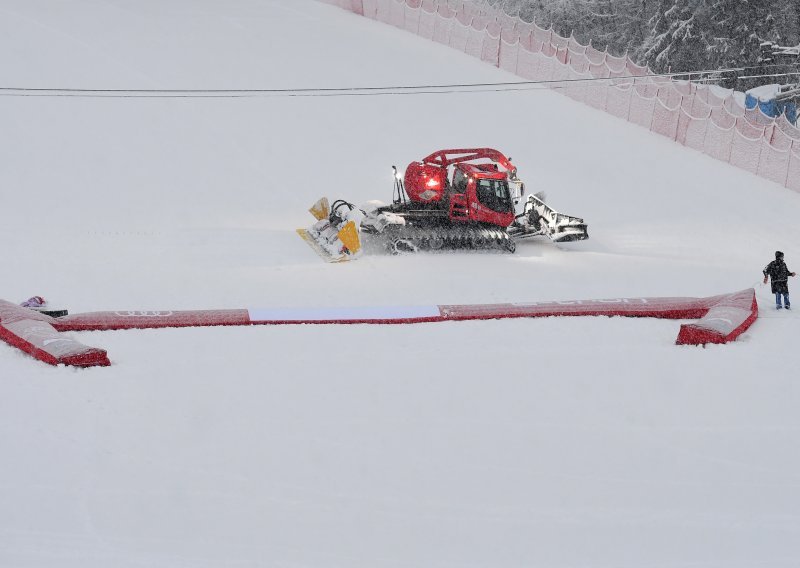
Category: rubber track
<point>438,238</point>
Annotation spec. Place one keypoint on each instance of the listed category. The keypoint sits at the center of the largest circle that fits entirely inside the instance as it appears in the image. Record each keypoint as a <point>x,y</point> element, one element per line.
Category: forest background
<point>680,35</point>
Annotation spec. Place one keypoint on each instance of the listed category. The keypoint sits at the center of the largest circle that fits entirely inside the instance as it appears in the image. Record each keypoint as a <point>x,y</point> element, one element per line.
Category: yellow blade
<point>321,209</point>
<point>349,237</point>
<point>325,255</point>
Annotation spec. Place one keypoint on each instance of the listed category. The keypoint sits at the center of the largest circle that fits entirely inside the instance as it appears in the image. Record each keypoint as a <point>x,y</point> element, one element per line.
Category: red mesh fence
<point>793,177</point>
<point>774,159</point>
<point>509,53</point>
<point>459,36</point>
<point>691,131</point>
<point>718,140</point>
<point>696,115</point>
<point>397,13</point>
<point>745,151</point>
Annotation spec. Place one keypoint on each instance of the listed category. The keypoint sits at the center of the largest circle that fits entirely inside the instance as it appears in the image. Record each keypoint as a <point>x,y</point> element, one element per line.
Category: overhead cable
<point>697,76</point>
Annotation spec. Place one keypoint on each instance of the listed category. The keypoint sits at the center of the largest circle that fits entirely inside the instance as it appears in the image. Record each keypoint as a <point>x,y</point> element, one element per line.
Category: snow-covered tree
<point>620,25</point>
<point>673,35</point>
<point>680,37</point>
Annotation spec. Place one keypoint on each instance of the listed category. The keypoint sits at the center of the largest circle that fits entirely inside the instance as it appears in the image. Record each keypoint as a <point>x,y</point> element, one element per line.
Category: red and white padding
<point>720,319</point>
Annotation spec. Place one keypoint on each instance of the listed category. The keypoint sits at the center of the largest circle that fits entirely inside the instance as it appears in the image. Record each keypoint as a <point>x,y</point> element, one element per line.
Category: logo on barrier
<point>143,314</point>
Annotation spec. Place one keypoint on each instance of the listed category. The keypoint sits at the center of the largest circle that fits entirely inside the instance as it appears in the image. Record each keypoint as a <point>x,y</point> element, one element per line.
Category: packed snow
<point>560,442</point>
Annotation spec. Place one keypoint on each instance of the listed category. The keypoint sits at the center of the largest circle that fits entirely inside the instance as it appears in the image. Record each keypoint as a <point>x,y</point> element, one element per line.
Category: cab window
<point>493,193</point>
<point>459,181</point>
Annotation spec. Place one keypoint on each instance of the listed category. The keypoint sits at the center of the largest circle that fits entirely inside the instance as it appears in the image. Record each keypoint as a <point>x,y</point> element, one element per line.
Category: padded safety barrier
<point>36,334</point>
<point>727,318</point>
<point>679,110</point>
<point>721,319</point>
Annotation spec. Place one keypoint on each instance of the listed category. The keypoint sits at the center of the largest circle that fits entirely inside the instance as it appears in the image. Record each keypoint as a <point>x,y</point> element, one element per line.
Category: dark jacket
<point>779,274</point>
<point>777,270</point>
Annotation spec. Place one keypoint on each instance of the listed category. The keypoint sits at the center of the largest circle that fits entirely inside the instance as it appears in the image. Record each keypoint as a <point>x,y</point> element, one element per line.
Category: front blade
<point>349,237</point>
<point>321,209</point>
<point>320,250</point>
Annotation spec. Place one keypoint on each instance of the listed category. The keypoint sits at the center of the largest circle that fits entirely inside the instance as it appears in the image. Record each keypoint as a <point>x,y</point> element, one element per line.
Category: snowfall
<point>554,442</point>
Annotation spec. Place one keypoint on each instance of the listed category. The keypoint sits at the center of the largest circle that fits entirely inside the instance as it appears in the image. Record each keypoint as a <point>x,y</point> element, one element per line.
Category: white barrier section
<point>708,119</point>
<point>360,314</point>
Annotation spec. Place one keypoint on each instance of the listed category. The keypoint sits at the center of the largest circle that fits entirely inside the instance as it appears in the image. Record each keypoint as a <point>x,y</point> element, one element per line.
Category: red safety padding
<point>126,319</point>
<point>725,320</point>
<point>35,334</point>
<point>721,319</point>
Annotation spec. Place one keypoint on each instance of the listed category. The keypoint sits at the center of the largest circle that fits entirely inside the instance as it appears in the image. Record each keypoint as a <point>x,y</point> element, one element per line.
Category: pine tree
<point>616,24</point>
<point>680,38</point>
<point>740,26</point>
<point>673,35</point>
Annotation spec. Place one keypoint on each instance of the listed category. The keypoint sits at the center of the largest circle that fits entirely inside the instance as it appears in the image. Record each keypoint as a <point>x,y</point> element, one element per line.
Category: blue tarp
<point>772,107</point>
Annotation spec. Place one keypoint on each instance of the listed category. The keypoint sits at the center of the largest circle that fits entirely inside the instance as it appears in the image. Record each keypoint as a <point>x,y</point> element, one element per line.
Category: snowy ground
<point>549,443</point>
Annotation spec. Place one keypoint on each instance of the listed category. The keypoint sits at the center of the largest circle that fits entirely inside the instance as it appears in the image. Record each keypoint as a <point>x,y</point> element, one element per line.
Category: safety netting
<point>708,119</point>
<point>720,319</point>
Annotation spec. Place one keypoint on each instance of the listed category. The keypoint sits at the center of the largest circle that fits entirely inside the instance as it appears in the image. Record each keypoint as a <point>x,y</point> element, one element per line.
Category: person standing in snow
<point>779,273</point>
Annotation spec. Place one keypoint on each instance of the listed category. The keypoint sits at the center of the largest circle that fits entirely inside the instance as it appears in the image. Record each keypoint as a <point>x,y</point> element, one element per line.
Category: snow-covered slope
<point>576,442</point>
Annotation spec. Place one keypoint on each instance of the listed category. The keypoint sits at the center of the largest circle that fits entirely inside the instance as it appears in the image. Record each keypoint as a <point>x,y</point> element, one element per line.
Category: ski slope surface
<point>556,442</point>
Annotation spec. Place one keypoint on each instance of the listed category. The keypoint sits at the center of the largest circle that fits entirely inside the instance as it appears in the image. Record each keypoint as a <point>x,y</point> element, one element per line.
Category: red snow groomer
<point>460,198</point>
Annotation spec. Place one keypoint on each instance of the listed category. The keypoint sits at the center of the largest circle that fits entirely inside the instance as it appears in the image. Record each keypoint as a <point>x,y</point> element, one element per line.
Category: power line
<point>373,90</point>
